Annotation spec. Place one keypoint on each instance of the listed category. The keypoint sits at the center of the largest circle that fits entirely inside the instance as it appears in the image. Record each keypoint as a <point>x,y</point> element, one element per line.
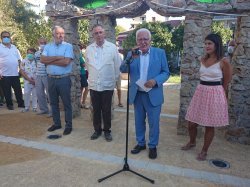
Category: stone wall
<point>196,29</point>
<point>239,96</point>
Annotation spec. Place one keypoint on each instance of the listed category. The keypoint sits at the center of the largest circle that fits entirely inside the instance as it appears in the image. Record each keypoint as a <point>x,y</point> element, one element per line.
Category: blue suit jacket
<point>157,70</point>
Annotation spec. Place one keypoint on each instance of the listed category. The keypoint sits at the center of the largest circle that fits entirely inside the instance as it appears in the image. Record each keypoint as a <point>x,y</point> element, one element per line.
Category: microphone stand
<point>126,165</point>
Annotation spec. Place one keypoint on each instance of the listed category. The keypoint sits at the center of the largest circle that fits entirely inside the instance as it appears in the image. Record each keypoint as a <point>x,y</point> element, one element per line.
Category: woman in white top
<point>208,106</point>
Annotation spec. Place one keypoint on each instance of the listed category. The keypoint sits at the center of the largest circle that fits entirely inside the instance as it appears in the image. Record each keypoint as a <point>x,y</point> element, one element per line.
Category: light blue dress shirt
<point>64,49</point>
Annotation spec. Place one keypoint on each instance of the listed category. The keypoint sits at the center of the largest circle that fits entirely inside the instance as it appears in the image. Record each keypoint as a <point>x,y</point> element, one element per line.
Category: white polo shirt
<point>9,60</point>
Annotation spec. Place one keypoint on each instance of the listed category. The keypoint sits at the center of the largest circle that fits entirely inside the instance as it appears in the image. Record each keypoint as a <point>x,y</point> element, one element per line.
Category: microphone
<point>129,57</point>
<point>136,52</point>
<point>133,53</point>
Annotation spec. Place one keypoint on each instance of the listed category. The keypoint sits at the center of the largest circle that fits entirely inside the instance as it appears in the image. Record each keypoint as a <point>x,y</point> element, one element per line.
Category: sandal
<point>201,156</point>
<point>188,146</point>
<point>84,106</point>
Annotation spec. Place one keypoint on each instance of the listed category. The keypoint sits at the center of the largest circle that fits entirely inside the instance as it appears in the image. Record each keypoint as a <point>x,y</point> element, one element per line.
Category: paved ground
<point>28,158</point>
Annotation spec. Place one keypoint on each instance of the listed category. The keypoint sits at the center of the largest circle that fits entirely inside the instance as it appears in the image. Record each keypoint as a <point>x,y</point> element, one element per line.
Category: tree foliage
<point>83,29</point>
<point>177,37</point>
<point>119,29</point>
<point>24,25</point>
<point>225,33</point>
<point>161,36</point>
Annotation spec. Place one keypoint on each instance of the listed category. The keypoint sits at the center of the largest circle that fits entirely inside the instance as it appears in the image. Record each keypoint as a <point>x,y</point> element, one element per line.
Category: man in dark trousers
<point>9,76</point>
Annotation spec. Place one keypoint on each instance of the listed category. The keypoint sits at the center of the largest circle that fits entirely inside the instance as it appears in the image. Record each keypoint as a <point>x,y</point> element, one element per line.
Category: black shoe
<point>21,106</point>
<point>108,136</point>
<point>10,107</point>
<point>54,127</point>
<point>152,153</point>
<point>95,135</point>
<point>67,131</point>
<point>137,149</point>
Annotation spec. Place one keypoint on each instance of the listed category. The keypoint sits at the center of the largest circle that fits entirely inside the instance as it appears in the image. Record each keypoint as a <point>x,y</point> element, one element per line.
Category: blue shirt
<point>64,49</point>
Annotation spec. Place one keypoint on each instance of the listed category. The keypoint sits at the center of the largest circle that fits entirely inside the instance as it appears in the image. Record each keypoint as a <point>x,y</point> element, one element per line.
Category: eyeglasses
<point>59,33</point>
<point>143,39</point>
<point>96,33</point>
<point>5,36</point>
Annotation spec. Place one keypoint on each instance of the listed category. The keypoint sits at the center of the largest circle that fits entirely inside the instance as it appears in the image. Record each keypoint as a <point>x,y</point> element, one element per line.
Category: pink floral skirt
<point>208,106</point>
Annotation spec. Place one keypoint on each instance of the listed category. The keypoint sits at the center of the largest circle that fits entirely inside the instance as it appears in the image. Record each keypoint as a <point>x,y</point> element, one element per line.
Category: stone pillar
<point>71,36</point>
<point>196,29</point>
<point>239,95</point>
<point>108,23</point>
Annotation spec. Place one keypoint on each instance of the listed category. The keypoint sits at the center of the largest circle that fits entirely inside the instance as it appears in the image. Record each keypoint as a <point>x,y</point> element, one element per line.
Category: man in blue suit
<point>148,71</point>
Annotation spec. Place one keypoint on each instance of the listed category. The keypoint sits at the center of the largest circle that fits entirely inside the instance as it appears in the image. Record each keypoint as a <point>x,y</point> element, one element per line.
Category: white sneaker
<point>41,113</point>
<point>49,115</point>
<point>34,110</point>
<point>25,110</point>
<point>86,106</point>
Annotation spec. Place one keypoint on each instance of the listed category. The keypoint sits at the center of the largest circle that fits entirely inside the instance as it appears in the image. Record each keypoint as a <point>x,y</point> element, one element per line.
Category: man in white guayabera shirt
<point>103,64</point>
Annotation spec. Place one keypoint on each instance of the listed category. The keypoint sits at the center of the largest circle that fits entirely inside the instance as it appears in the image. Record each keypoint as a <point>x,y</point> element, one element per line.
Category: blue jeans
<point>143,108</point>
<point>60,87</point>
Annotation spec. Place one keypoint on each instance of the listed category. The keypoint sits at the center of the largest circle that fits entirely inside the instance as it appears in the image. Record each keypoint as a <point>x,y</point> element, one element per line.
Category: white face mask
<point>41,47</point>
<point>230,49</point>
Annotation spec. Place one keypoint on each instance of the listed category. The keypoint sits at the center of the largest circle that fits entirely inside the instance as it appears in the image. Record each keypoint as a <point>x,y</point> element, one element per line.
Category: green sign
<point>212,1</point>
<point>90,4</point>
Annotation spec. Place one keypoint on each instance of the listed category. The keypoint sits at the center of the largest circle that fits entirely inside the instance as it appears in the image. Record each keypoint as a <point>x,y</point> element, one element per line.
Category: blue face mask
<point>6,40</point>
<point>30,57</point>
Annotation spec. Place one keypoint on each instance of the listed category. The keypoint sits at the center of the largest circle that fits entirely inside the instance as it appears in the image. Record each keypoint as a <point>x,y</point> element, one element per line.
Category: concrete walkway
<point>137,164</point>
<point>75,160</point>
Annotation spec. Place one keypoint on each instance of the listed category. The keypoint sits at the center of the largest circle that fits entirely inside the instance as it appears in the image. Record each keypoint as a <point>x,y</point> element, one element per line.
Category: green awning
<point>90,4</point>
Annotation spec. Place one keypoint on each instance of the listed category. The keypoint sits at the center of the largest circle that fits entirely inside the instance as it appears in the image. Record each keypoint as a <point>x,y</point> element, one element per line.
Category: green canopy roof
<point>90,4</point>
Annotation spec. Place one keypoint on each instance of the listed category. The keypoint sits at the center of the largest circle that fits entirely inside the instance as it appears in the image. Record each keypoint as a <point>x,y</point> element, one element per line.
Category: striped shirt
<point>40,67</point>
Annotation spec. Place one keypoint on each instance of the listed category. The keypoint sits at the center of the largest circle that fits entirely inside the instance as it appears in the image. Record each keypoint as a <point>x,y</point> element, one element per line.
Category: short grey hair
<point>143,30</point>
<point>55,28</point>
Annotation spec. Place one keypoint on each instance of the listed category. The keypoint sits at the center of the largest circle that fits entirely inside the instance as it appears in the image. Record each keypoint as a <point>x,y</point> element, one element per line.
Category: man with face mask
<point>231,47</point>
<point>28,71</point>
<point>41,80</point>
<point>9,62</point>
<point>58,56</point>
